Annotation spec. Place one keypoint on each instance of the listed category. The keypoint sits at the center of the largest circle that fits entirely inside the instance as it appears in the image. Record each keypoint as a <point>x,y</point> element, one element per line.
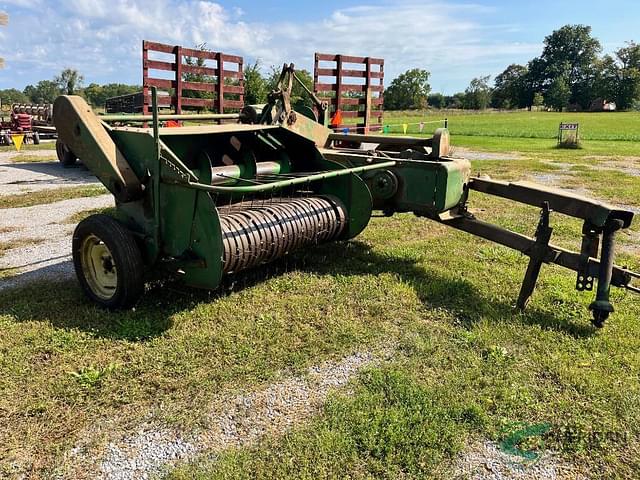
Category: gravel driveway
<point>46,252</point>
<point>22,177</point>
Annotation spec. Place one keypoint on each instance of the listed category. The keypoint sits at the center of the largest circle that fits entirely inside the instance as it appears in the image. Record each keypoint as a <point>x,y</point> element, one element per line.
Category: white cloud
<point>103,38</point>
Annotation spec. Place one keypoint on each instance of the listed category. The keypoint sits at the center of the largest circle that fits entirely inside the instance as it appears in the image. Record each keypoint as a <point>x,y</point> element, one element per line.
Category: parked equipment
<point>18,124</point>
<point>202,202</point>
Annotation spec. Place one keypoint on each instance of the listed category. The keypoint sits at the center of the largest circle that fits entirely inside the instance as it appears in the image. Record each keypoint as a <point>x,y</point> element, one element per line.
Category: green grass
<point>8,245</point>
<point>26,158</point>
<point>29,146</point>
<point>467,364</point>
<point>79,216</point>
<point>593,126</point>
<point>48,196</point>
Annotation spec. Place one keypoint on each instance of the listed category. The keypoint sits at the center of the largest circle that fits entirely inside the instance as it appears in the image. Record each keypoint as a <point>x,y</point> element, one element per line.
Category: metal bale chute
<point>199,202</point>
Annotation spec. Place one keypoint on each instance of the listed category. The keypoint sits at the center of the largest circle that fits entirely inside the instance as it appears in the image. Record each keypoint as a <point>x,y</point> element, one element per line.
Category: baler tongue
<point>601,223</point>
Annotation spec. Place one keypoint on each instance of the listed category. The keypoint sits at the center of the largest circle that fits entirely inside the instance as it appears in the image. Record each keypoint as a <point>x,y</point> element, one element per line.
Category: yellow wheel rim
<point>99,267</point>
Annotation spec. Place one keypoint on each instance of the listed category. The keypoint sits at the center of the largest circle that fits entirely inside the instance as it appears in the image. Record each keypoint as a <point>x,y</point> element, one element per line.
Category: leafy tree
<point>628,76</point>
<point>510,88</point>
<point>69,81</point>
<point>436,100</point>
<point>45,91</point>
<point>538,100</point>
<point>534,82</point>
<point>558,94</point>
<point>11,95</point>
<point>97,95</point>
<point>571,52</point>
<point>478,94</point>
<point>410,90</point>
<point>255,86</point>
<point>454,101</point>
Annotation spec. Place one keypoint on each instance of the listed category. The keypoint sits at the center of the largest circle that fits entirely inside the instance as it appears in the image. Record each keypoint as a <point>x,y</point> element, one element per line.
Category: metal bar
<point>286,183</point>
<point>386,139</point>
<point>173,116</point>
<point>158,166</point>
<point>602,306</point>
<point>597,213</point>
<point>621,277</point>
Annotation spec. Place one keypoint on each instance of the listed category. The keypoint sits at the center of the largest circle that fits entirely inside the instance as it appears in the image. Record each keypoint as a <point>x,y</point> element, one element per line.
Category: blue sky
<point>455,41</point>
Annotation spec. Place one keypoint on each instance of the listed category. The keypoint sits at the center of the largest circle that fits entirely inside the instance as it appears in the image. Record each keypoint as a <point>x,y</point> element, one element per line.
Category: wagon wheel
<point>65,155</point>
<point>108,262</point>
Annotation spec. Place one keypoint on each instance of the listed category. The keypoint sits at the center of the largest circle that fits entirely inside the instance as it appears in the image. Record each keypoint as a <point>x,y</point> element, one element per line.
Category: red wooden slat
<point>212,72</point>
<point>347,59</point>
<point>352,114</point>
<point>162,100</point>
<point>160,83</point>
<point>159,65</point>
<point>325,87</point>
<point>233,74</point>
<point>236,89</point>
<point>232,58</point>
<point>199,86</point>
<point>197,102</point>
<point>204,54</point>
<point>157,47</point>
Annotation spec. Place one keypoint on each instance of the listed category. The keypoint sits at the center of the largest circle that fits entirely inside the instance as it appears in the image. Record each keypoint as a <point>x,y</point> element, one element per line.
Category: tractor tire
<point>36,138</point>
<point>66,157</point>
<point>108,262</point>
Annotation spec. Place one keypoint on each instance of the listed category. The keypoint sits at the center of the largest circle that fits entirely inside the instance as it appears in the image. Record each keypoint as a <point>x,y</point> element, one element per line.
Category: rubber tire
<point>7,139</point>
<point>126,257</point>
<point>36,138</point>
<point>66,157</point>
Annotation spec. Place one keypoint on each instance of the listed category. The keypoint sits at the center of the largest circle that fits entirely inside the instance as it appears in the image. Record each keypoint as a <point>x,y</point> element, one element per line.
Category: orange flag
<point>337,119</point>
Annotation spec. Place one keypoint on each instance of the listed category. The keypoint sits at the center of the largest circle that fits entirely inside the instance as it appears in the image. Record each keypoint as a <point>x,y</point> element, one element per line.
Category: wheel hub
<point>99,267</point>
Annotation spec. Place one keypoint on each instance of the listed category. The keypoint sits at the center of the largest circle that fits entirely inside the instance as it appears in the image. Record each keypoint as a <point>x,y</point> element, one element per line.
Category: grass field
<point>466,365</point>
<point>593,126</point>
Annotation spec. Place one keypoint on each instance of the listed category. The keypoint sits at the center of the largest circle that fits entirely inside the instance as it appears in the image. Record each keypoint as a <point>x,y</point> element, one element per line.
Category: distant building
<point>602,105</point>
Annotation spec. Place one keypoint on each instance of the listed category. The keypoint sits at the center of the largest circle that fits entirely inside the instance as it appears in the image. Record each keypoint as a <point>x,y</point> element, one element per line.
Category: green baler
<point>199,202</point>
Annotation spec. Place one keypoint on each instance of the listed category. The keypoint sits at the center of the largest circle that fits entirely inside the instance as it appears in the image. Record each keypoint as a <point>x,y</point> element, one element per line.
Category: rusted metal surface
<point>84,134</point>
<point>226,85</point>
<point>562,201</point>
<point>352,86</point>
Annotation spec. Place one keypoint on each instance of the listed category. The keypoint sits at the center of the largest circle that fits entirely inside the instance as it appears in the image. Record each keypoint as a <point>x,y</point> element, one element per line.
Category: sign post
<point>572,138</point>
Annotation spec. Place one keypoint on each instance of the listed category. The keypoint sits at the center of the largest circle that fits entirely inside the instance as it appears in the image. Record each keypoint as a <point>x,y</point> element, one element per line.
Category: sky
<point>455,41</point>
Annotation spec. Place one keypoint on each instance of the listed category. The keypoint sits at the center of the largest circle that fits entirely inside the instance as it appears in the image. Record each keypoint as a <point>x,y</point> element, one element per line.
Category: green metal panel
<point>206,244</point>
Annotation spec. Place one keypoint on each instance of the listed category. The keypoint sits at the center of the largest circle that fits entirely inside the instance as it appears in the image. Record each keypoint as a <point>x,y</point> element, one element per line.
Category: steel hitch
<point>601,223</point>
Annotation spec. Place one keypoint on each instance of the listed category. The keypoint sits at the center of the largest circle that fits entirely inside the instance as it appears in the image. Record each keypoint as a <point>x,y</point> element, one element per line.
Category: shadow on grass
<point>458,296</point>
<point>64,306</point>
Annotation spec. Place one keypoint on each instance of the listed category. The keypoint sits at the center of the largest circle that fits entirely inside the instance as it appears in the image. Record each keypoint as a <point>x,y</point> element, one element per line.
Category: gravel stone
<point>50,259</point>
<point>245,420</point>
<point>484,460</point>
<point>25,177</point>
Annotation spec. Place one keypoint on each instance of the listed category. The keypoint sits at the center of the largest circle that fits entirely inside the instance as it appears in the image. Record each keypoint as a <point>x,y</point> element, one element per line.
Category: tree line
<point>570,73</point>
